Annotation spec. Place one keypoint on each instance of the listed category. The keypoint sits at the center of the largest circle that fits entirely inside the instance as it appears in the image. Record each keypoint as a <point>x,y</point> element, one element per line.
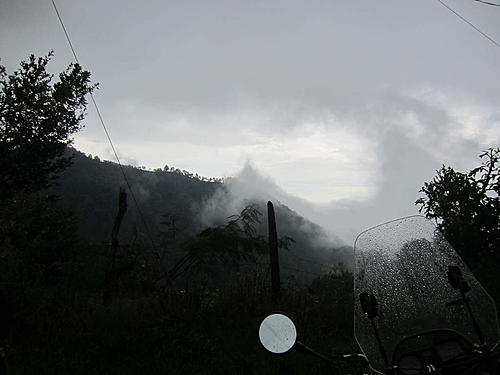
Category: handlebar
<point>479,359</point>
<point>450,368</point>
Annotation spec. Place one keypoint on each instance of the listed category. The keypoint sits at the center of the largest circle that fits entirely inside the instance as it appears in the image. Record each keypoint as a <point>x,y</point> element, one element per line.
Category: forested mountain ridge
<point>90,188</point>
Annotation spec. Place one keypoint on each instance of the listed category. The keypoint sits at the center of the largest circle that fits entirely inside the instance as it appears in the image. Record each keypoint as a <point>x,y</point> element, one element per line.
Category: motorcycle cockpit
<point>427,351</point>
<point>412,278</point>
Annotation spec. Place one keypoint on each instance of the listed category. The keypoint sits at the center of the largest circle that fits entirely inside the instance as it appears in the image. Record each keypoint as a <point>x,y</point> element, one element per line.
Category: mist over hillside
<point>322,232</point>
<point>90,188</point>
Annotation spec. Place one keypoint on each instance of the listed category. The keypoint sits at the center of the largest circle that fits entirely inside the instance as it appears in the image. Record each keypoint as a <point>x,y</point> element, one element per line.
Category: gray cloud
<point>204,54</point>
<point>207,86</point>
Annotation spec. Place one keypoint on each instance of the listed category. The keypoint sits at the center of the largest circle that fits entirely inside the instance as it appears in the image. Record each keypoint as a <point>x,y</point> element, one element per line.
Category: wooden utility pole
<point>110,275</point>
<point>273,252</point>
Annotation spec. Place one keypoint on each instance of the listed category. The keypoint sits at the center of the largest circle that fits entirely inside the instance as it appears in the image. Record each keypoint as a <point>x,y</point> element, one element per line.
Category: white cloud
<point>316,161</point>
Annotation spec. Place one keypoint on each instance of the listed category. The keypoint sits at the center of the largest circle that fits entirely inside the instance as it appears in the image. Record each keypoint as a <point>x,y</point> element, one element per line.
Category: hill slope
<point>90,187</point>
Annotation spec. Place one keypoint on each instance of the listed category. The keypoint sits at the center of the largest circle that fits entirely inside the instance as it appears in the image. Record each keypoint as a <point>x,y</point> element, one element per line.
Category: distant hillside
<point>90,187</point>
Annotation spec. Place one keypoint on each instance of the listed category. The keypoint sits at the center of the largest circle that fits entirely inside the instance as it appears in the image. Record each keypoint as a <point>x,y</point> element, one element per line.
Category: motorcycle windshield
<point>404,264</point>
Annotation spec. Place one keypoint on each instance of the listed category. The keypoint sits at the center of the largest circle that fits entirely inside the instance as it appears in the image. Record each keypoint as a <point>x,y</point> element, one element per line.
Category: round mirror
<point>277,333</point>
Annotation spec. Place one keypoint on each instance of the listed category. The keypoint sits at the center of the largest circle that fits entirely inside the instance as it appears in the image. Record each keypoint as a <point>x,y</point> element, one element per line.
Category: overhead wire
<point>469,23</point>
<point>284,267</point>
<point>315,262</point>
<point>301,271</point>
<point>488,3</point>
<point>148,231</point>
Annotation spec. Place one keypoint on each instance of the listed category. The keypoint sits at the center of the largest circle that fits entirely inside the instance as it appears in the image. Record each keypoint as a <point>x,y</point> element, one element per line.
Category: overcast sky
<point>342,104</point>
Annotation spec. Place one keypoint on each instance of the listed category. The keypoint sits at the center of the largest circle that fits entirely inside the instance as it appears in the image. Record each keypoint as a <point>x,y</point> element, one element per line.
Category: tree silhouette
<point>466,206</point>
<point>37,119</point>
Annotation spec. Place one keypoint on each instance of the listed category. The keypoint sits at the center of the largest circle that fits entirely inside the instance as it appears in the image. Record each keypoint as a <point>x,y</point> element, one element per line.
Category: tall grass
<point>186,329</point>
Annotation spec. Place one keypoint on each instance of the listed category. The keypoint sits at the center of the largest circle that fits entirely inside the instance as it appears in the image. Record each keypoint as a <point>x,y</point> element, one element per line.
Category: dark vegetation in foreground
<point>189,329</point>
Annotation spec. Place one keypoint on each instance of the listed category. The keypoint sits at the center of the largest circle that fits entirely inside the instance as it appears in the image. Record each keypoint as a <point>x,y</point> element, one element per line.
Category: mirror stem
<point>305,349</point>
<point>380,346</point>
<point>473,319</point>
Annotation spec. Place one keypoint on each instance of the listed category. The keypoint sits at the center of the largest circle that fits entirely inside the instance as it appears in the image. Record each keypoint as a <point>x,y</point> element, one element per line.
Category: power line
<point>488,3</point>
<point>282,266</point>
<point>307,260</point>
<point>302,271</point>
<point>148,231</point>
<point>469,23</point>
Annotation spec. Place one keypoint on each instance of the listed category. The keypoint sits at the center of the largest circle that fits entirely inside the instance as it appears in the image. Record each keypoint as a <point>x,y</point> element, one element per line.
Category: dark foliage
<point>466,207</point>
<point>37,119</point>
<point>225,247</point>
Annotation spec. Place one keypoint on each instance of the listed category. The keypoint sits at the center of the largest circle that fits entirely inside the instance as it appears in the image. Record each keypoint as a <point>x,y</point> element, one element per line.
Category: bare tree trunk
<point>273,252</point>
<point>110,273</point>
